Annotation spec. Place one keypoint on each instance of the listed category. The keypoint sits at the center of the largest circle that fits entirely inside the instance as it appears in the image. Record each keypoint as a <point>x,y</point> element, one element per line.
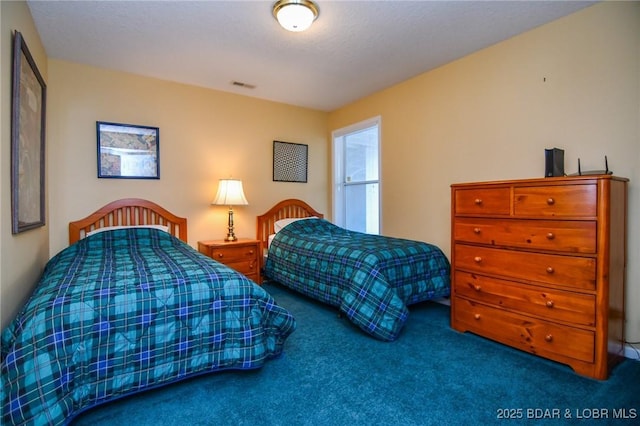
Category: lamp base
<point>230,235</point>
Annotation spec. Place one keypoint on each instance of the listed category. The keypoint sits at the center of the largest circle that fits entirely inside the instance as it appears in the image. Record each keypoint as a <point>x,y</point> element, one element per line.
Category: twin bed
<point>130,306</point>
<point>371,279</point>
<point>129,309</point>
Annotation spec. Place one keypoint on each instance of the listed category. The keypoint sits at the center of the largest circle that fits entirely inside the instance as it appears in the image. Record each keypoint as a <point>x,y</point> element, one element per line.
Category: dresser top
<point>561,180</point>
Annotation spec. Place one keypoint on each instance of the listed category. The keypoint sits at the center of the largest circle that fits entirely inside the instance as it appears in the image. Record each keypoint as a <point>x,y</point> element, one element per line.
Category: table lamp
<point>230,194</point>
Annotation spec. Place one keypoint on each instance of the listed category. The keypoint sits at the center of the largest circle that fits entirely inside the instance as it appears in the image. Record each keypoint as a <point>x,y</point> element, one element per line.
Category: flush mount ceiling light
<point>295,15</point>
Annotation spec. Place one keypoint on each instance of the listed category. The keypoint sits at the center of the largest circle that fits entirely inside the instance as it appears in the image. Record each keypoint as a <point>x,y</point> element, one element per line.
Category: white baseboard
<point>443,301</point>
<point>631,353</point>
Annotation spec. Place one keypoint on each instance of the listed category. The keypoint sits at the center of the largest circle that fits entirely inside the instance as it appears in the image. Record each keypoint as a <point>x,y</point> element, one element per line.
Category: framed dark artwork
<point>29,96</point>
<point>290,162</point>
<point>128,151</point>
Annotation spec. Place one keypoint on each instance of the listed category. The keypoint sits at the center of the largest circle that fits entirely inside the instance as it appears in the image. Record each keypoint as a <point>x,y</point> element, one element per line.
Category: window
<point>356,163</point>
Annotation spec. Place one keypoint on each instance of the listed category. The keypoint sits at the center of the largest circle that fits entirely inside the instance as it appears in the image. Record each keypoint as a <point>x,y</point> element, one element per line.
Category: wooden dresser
<point>539,264</point>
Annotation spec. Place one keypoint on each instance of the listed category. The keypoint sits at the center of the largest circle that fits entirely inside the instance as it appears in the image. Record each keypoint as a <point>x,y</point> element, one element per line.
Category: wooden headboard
<point>128,212</point>
<point>285,209</point>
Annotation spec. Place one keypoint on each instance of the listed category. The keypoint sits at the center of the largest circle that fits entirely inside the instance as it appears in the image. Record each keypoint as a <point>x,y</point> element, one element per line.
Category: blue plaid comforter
<point>126,310</point>
<point>370,278</point>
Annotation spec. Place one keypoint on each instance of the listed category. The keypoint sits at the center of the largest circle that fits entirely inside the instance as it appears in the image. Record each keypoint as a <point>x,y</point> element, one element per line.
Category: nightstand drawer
<point>246,267</point>
<point>233,254</point>
<point>241,255</point>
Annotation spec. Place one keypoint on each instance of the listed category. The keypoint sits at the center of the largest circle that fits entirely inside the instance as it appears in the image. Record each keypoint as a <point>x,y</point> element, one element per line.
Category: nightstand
<point>241,255</point>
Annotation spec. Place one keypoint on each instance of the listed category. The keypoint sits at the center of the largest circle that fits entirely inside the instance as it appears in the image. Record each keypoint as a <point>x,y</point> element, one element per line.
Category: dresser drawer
<point>554,235</point>
<point>483,201</point>
<point>567,271</point>
<point>548,303</point>
<point>529,334</point>
<point>233,254</point>
<point>556,201</point>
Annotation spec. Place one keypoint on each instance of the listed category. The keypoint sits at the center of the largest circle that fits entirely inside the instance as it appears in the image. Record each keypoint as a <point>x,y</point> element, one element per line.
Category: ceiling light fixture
<point>295,15</point>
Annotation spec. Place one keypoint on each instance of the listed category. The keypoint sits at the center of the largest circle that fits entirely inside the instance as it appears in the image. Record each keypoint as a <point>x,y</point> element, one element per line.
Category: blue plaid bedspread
<point>370,278</point>
<point>127,310</point>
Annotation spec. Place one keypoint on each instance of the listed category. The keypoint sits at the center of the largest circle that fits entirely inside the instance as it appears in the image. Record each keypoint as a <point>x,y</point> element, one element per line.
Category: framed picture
<point>290,162</point>
<point>29,95</point>
<point>128,151</point>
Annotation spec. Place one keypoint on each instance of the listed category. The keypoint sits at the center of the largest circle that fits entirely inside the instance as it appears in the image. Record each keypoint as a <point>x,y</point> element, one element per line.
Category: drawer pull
<point>548,337</point>
<point>476,230</point>
<point>550,236</point>
<point>477,259</point>
<point>549,303</point>
<point>551,201</point>
<point>478,201</point>
<point>220,255</point>
<point>477,288</point>
<point>476,316</point>
<point>251,252</point>
<point>550,270</point>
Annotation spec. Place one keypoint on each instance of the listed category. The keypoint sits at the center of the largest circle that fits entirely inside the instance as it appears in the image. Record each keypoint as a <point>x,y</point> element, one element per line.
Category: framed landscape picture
<point>128,151</point>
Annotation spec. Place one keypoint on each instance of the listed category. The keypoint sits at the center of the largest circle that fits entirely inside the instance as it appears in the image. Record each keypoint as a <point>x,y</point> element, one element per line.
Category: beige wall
<point>22,256</point>
<point>205,135</point>
<point>572,84</point>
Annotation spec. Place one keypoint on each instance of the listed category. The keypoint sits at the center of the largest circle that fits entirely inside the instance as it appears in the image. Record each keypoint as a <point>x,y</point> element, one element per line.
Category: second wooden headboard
<point>291,208</point>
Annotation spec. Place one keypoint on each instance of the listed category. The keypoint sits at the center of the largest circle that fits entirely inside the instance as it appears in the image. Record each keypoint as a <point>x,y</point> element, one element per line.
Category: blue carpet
<point>333,374</point>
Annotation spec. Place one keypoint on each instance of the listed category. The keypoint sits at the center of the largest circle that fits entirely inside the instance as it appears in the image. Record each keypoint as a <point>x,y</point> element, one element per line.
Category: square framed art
<point>290,162</point>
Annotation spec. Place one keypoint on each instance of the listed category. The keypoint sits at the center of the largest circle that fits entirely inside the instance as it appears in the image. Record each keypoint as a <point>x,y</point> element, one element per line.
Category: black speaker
<point>554,162</point>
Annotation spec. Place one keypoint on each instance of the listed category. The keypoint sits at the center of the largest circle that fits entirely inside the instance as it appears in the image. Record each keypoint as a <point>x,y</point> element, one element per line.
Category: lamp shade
<point>295,15</point>
<point>230,193</point>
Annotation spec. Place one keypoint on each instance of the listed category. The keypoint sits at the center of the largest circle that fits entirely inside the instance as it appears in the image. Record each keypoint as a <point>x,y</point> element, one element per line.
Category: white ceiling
<point>354,48</point>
